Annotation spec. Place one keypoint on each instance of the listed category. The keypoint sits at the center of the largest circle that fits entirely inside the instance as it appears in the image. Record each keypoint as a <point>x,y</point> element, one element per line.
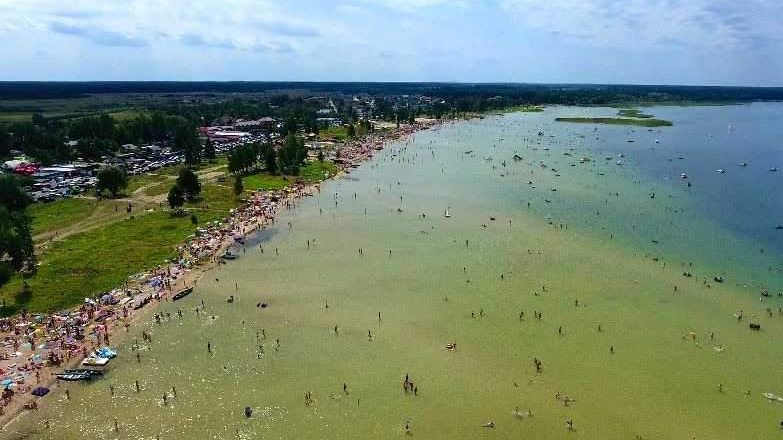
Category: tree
<point>270,158</point>
<point>5,142</point>
<point>185,140</point>
<point>111,179</point>
<point>188,182</point>
<point>12,195</point>
<point>238,186</point>
<point>351,131</point>
<point>16,241</point>
<point>39,120</point>
<point>243,159</point>
<point>209,150</point>
<point>176,198</point>
<point>292,154</point>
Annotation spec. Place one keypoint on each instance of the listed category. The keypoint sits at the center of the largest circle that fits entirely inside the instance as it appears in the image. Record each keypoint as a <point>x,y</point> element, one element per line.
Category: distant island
<point>633,113</point>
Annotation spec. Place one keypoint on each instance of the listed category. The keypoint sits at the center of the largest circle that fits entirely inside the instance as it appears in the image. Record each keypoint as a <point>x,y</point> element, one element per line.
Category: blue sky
<point>714,42</point>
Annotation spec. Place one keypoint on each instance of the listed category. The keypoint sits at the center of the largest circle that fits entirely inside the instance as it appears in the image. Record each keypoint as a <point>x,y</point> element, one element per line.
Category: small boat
<point>720,170</point>
<point>447,214</point>
<point>743,164</point>
<point>90,371</point>
<point>73,376</point>
<point>229,256</point>
<point>94,361</point>
<point>683,176</point>
<point>773,169</point>
<point>182,294</point>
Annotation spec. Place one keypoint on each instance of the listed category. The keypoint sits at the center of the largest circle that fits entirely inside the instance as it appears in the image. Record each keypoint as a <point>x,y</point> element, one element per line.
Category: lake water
<point>614,263</point>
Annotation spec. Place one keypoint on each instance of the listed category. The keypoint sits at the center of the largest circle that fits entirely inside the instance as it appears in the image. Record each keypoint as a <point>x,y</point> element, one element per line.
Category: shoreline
<point>197,256</point>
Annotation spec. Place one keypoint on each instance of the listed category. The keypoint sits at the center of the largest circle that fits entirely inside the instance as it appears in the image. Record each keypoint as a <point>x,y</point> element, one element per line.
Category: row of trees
<point>16,241</point>
<point>288,159</point>
<point>44,139</point>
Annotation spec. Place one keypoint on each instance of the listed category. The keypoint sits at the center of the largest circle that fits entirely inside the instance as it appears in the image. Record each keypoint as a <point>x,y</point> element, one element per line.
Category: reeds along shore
<point>37,346</point>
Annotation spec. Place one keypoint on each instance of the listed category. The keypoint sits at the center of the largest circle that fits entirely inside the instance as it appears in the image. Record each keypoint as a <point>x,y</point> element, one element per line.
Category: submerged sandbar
<point>650,122</point>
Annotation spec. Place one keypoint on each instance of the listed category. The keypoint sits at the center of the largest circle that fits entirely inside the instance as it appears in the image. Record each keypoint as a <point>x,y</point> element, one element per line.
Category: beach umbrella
<point>40,391</point>
<point>6,383</point>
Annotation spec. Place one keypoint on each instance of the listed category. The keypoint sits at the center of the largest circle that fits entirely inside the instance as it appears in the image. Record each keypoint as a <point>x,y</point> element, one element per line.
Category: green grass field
<point>264,182</point>
<point>100,259</point>
<point>60,213</point>
<point>11,117</point>
<point>97,260</point>
<point>619,121</point>
<point>136,182</point>
<point>317,171</point>
<point>339,133</point>
<point>156,190</point>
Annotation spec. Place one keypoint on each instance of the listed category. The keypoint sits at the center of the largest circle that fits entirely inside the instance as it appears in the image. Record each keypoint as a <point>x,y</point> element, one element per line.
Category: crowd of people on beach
<point>36,345</point>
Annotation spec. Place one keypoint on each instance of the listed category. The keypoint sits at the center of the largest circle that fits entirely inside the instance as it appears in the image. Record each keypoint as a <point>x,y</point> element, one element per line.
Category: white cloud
<point>461,40</point>
<point>631,23</point>
<point>414,5</point>
<point>226,24</point>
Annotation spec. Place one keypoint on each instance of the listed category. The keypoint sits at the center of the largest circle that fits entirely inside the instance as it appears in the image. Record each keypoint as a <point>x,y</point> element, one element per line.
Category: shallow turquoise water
<point>435,289</point>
